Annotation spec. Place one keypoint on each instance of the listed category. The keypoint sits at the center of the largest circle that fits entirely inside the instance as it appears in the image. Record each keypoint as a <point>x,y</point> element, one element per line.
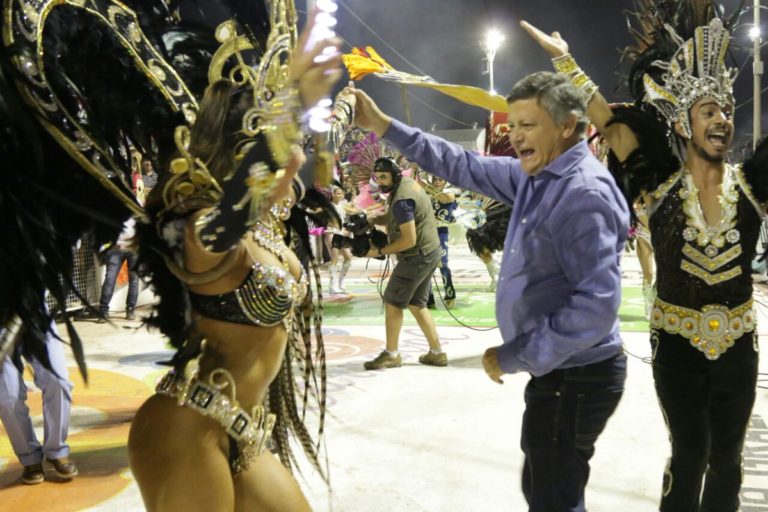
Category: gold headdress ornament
<point>696,71</point>
<point>275,113</point>
<point>275,101</point>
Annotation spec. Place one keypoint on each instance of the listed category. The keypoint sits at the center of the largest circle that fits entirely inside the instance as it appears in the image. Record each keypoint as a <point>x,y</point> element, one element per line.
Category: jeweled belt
<point>251,432</point>
<point>713,330</point>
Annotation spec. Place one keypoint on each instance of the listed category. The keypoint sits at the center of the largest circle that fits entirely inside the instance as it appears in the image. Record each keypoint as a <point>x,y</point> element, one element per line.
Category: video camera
<point>364,235</point>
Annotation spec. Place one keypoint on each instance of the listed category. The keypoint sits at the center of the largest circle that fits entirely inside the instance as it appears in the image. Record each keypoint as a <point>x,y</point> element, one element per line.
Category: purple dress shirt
<point>559,287</point>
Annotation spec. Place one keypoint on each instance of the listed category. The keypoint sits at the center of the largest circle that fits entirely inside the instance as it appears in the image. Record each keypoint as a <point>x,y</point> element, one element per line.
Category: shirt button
<point>511,251</point>
<point>523,221</point>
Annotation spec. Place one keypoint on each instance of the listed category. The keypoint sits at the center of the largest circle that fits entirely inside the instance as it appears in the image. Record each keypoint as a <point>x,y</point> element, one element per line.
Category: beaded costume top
<point>700,264</point>
<point>265,298</point>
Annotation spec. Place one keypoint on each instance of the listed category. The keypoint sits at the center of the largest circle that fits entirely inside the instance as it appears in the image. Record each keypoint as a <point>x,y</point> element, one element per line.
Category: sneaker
<point>384,360</point>
<point>433,359</point>
<point>64,468</point>
<point>102,319</point>
<point>449,303</point>
<point>130,314</point>
<point>33,474</point>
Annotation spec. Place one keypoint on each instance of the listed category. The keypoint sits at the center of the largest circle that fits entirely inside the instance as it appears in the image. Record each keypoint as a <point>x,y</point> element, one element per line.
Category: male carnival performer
<point>704,220</point>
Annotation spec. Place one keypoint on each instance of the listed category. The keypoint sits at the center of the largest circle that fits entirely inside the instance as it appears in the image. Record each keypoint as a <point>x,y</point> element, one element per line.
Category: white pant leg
<point>14,414</point>
<point>57,398</point>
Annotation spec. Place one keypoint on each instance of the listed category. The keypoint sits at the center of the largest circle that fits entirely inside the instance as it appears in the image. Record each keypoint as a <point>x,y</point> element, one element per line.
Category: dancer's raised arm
<point>619,136</point>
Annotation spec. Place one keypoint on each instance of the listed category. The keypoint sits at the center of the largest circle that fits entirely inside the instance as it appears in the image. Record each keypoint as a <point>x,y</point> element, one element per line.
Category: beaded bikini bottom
<point>250,432</point>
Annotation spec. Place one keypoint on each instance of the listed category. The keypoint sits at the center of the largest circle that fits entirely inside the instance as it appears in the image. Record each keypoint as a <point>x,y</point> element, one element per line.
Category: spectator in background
<point>115,256</point>
<point>57,402</point>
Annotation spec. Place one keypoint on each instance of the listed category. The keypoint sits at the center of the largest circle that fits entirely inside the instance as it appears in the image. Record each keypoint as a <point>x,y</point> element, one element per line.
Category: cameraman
<point>413,237</point>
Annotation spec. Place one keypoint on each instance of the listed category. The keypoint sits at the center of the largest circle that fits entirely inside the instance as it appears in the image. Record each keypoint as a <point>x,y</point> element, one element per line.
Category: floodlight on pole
<point>491,43</point>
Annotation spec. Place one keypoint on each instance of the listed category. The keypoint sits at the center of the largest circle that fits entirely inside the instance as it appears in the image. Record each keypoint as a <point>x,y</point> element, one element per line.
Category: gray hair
<point>556,94</point>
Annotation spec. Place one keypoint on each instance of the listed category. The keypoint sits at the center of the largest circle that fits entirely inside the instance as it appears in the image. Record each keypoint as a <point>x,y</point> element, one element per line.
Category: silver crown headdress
<point>696,71</point>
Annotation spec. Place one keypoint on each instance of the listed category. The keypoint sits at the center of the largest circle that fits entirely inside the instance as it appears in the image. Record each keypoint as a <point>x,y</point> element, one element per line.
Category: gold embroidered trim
<point>747,189</point>
<point>715,263</point>
<point>710,279</point>
<point>663,189</point>
<point>698,228</point>
<point>713,330</point>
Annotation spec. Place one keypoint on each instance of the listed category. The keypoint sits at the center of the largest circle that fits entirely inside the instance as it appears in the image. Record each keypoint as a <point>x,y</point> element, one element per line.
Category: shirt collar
<point>563,163</point>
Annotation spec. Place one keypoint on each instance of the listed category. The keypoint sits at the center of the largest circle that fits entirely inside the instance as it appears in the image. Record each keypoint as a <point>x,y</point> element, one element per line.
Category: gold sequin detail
<point>713,330</point>
<point>715,263</point>
<point>710,279</point>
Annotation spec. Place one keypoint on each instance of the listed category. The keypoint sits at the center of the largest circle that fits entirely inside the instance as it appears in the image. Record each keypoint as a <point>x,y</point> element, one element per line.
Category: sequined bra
<point>265,298</point>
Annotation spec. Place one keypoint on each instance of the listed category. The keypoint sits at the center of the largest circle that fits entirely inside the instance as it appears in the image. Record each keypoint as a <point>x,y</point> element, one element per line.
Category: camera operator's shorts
<point>337,241</point>
<point>409,283</point>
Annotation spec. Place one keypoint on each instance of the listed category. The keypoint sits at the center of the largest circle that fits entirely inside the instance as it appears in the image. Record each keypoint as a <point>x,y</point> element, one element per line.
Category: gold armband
<point>567,65</point>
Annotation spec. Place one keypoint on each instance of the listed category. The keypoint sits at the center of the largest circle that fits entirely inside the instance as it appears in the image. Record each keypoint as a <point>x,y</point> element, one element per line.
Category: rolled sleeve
<point>404,210</point>
<point>588,244</point>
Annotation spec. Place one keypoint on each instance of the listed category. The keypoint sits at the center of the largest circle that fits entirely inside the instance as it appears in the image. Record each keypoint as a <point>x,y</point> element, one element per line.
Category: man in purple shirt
<point>559,285</point>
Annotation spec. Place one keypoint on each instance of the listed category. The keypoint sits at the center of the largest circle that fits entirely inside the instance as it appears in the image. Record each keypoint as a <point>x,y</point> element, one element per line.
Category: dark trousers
<point>707,405</point>
<point>445,272</point>
<point>114,260</point>
<point>565,412</point>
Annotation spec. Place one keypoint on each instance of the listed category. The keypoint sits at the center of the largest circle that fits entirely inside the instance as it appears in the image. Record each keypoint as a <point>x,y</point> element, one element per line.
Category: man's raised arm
<point>495,177</point>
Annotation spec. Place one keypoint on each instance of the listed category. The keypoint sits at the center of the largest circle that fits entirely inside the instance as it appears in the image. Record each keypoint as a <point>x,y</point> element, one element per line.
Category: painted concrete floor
<point>410,439</point>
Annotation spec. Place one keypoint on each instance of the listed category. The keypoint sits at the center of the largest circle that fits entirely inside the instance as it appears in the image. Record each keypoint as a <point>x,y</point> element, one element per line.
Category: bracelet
<point>567,65</point>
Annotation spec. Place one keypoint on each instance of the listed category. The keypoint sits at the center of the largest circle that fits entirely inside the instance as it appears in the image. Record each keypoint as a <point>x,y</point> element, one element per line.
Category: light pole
<point>757,71</point>
<point>491,43</point>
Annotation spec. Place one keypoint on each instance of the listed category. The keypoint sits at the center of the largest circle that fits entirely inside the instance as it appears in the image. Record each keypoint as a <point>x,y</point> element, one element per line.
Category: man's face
<point>384,179</point>
<point>146,167</point>
<point>712,129</point>
<point>535,136</point>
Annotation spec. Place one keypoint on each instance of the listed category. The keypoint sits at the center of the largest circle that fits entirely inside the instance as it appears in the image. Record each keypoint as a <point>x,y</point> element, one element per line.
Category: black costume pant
<point>707,406</point>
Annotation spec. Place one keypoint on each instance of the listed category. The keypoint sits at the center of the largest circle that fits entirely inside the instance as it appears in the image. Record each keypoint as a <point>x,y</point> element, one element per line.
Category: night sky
<point>442,39</point>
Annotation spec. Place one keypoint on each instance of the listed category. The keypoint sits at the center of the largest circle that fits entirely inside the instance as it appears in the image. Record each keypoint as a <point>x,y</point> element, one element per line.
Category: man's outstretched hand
<point>368,116</point>
<point>491,365</point>
<point>552,44</point>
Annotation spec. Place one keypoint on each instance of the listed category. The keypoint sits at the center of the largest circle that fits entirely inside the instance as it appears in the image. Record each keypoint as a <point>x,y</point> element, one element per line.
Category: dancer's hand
<point>313,79</point>
<point>552,44</point>
<point>491,365</point>
<point>368,116</point>
<point>347,95</point>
